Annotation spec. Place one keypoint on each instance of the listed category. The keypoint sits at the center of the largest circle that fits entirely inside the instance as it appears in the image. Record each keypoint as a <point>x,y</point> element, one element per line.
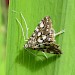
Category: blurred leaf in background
<point>3,33</point>
<point>19,61</point>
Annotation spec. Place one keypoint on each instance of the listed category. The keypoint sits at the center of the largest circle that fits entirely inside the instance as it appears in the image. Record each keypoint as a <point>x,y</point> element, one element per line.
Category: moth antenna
<point>32,53</point>
<point>21,25</point>
<point>62,31</point>
<point>21,28</point>
<point>25,25</point>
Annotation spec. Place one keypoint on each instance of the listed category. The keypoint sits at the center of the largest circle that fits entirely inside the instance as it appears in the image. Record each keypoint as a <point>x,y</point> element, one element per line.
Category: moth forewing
<point>43,38</point>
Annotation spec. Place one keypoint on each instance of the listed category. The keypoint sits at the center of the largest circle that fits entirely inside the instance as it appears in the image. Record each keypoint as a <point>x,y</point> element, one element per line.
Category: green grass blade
<point>21,62</point>
<point>2,45</point>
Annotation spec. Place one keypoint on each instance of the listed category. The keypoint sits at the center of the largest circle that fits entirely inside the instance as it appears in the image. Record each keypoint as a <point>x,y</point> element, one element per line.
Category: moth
<point>43,38</point>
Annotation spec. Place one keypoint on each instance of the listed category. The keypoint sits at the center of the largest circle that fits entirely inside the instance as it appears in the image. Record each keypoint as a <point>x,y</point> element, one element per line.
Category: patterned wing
<point>43,36</point>
<point>44,33</point>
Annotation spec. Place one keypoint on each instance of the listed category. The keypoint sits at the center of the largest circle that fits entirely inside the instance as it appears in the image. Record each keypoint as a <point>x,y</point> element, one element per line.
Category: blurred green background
<point>14,60</point>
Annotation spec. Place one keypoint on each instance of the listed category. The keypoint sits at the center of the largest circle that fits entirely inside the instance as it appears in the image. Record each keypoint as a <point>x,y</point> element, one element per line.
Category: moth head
<point>47,17</point>
<point>25,46</point>
<point>47,20</point>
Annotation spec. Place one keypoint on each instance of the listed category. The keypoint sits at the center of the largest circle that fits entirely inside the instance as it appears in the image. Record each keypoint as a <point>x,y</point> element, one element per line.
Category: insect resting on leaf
<point>43,37</point>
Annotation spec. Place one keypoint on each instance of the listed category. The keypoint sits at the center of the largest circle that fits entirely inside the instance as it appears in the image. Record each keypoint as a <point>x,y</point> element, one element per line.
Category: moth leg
<point>45,55</point>
<point>32,53</point>
<point>21,28</point>
<point>25,25</point>
<point>59,33</point>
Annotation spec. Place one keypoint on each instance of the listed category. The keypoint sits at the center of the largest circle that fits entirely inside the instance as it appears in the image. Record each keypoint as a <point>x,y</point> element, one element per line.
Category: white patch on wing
<point>39,33</point>
<point>39,40</point>
<point>49,39</point>
<point>44,37</point>
<point>41,24</point>
<point>47,29</point>
<point>37,29</point>
<point>33,34</point>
